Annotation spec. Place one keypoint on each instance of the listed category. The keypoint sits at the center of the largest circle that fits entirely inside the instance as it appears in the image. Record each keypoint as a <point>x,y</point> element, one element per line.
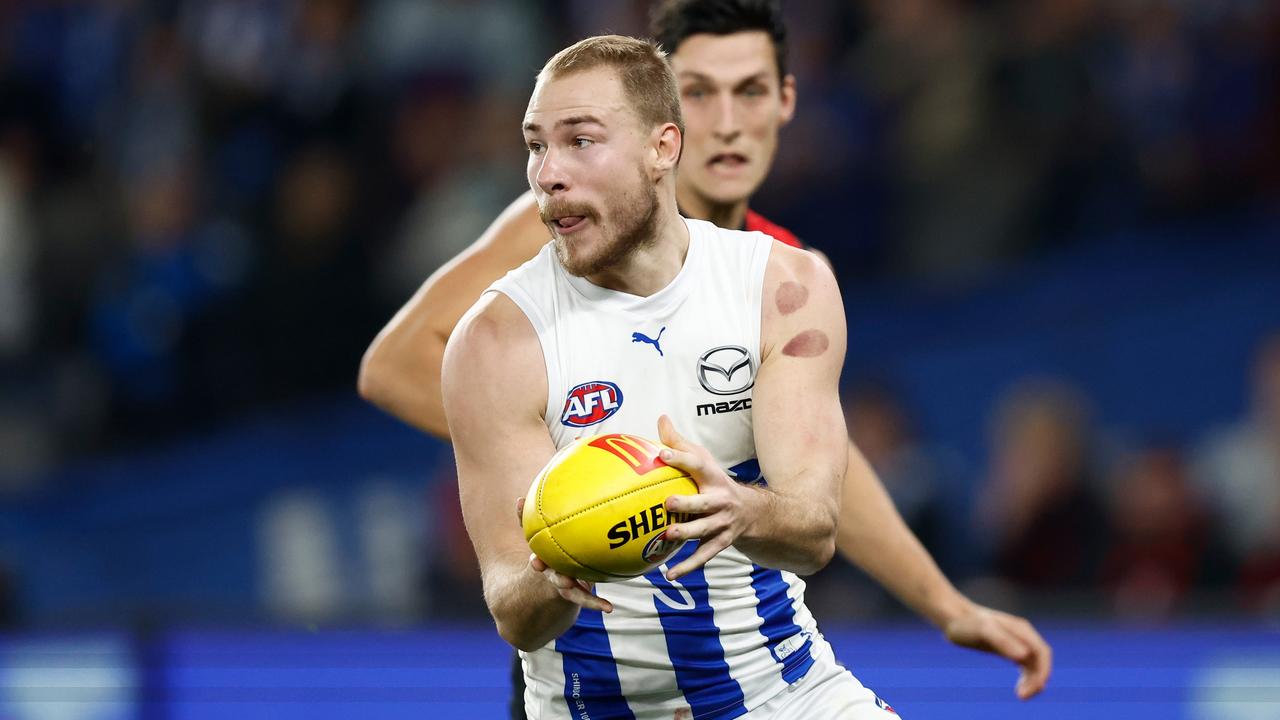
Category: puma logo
<point>637,337</point>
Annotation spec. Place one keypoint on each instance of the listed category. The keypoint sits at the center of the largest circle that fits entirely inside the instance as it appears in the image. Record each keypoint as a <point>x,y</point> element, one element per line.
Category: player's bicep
<point>796,406</point>
<point>494,390</point>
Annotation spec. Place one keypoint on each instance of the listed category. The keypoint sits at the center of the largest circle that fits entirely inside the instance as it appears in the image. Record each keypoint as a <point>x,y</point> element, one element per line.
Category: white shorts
<point>827,691</point>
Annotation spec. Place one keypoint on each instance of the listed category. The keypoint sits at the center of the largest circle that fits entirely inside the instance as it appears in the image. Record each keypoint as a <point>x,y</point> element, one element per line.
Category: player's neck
<point>732,216</point>
<point>653,266</point>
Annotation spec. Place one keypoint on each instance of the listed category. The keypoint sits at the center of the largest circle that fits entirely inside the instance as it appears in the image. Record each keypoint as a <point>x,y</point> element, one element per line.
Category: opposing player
<point>723,631</point>
<point>729,59</point>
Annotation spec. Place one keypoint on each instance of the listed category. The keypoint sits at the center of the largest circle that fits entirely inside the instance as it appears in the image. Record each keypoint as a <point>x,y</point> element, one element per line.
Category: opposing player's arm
<point>799,433</point>
<point>400,372</point>
<point>874,537</point>
<point>495,391</point>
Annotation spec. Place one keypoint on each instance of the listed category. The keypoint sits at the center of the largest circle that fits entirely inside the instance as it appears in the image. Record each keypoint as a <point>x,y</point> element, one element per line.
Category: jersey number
<point>670,592</point>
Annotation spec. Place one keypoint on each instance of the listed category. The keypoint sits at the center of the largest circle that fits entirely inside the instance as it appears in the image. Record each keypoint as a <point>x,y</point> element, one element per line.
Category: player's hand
<point>578,592</point>
<point>1010,636</point>
<point>722,506</point>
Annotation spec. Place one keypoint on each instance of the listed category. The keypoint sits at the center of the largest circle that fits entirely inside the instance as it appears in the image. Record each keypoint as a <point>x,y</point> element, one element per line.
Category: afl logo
<point>590,403</point>
<point>659,549</point>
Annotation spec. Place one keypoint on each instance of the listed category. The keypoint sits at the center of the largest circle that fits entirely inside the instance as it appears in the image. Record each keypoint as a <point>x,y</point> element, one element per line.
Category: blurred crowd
<point>211,206</point>
<point>1067,518</point>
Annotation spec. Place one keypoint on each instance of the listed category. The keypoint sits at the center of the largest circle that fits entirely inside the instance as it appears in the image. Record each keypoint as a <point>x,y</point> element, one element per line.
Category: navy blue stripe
<point>748,471</point>
<point>693,642</point>
<point>798,663</point>
<point>591,686</point>
<point>779,618</point>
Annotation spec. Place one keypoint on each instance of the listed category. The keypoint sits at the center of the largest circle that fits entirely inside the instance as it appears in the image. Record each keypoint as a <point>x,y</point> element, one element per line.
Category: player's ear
<point>788,109</point>
<point>667,143</point>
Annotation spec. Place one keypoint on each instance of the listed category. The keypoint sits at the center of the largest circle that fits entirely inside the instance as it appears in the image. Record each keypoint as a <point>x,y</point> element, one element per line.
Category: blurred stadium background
<point>1056,227</point>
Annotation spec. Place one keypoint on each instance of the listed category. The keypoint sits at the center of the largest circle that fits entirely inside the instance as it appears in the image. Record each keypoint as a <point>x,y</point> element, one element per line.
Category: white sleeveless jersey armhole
<point>534,299</point>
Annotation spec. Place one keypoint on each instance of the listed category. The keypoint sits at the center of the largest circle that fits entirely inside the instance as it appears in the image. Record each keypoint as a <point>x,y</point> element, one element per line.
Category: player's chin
<point>729,191</point>
<point>579,256</point>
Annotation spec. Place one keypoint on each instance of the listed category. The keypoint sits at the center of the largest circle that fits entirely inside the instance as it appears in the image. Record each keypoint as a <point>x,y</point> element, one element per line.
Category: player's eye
<point>534,147</point>
<point>753,90</point>
<point>695,93</point>
<point>581,142</point>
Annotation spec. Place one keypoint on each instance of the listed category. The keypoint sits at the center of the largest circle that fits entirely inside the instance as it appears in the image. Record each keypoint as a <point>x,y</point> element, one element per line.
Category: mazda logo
<point>726,370</point>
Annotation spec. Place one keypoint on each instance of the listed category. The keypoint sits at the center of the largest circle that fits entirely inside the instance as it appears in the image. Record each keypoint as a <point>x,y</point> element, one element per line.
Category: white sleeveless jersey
<point>724,639</point>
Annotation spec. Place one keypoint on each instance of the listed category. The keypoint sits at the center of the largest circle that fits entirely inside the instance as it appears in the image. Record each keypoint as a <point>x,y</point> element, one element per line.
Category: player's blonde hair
<point>641,65</point>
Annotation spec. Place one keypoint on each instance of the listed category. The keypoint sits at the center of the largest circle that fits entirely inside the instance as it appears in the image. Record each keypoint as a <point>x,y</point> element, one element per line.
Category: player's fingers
<point>1022,629</point>
<point>579,592</point>
<point>520,510</point>
<point>693,504</point>
<point>685,455</point>
<point>1034,677</point>
<point>691,462</point>
<point>569,586</point>
<point>1037,664</point>
<point>707,549</point>
<point>1028,685</point>
<point>700,557</point>
<point>578,596</point>
<point>699,528</point>
<point>560,580</point>
<point>669,436</point>
<point>1004,642</point>
<point>574,590</point>
<point>589,587</point>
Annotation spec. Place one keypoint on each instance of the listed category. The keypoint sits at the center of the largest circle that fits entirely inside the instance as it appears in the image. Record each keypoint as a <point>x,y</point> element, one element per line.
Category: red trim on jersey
<point>757,223</point>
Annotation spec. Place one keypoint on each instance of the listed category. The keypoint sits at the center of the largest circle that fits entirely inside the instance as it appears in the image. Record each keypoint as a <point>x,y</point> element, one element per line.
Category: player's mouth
<point>564,218</point>
<point>569,224</point>
<point>728,162</point>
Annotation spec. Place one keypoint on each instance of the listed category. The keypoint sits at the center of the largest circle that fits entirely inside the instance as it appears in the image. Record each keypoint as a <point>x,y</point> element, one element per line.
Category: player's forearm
<point>873,536</point>
<point>790,533</point>
<point>400,373</point>
<point>526,608</point>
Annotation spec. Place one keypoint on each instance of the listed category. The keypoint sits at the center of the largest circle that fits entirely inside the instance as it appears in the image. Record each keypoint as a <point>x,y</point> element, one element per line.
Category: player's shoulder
<point>494,353</point>
<point>492,328</point>
<point>796,284</point>
<point>790,263</point>
<point>800,297</point>
<point>493,366</point>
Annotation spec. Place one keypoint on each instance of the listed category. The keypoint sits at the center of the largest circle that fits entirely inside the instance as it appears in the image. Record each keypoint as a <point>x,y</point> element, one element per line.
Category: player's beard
<point>631,227</point>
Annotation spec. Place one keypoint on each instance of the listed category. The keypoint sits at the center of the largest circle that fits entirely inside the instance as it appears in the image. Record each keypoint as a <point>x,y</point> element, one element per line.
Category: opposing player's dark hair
<point>673,21</point>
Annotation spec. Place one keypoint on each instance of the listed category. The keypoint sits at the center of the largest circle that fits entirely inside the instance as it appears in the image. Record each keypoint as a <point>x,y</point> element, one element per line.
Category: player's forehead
<point>596,95</point>
<point>725,58</point>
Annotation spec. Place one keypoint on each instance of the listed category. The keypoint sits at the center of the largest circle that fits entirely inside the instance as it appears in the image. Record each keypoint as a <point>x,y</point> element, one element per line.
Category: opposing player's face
<point>587,170</point>
<point>734,103</point>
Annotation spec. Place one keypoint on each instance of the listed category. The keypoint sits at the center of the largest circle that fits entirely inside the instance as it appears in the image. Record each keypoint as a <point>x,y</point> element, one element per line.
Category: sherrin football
<point>597,510</point>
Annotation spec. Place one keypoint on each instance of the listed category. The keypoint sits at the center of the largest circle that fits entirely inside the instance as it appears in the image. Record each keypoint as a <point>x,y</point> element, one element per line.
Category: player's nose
<point>550,175</point>
<point>727,127</point>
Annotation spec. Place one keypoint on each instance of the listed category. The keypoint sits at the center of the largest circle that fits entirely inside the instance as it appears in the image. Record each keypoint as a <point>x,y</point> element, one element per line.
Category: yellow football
<point>597,510</point>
